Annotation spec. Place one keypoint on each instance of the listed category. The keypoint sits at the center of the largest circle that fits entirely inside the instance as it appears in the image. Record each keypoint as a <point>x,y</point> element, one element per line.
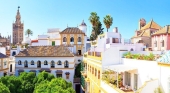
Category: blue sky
<point>40,15</point>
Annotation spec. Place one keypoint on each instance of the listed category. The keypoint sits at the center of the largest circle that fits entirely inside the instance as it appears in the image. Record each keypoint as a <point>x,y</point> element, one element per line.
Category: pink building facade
<point>161,39</point>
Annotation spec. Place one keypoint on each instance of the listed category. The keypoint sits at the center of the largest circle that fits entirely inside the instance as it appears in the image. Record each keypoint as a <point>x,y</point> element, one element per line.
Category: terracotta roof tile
<point>164,30</point>
<point>46,51</point>
<point>151,24</point>
<point>72,30</point>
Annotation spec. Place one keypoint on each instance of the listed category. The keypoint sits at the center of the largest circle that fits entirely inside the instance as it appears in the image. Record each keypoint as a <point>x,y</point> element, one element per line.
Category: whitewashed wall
<point>164,75</point>
<point>3,50</point>
<point>145,69</point>
<point>49,59</point>
<point>107,88</point>
<point>150,87</point>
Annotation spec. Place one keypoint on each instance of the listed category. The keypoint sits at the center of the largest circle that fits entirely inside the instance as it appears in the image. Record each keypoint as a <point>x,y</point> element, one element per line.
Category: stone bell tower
<point>18,28</point>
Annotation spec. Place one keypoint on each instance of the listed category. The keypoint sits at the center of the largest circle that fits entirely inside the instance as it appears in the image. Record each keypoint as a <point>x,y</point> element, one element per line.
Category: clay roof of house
<point>145,32</point>
<point>46,51</point>
<point>163,30</point>
<point>3,56</point>
<point>33,41</point>
<point>151,24</point>
<point>72,30</point>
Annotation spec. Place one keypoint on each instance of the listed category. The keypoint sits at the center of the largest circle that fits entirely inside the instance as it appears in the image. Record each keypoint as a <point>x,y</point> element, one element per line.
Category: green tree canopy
<point>28,32</point>
<point>108,21</point>
<point>97,26</point>
<point>96,31</point>
<point>94,18</point>
<point>4,89</point>
<point>57,85</point>
<point>30,83</point>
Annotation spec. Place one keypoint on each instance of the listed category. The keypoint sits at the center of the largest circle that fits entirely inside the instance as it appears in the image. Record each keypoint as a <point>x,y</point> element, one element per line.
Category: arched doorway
<point>10,67</point>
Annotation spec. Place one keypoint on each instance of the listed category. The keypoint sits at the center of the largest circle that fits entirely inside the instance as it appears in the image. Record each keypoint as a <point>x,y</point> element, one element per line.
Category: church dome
<point>83,24</point>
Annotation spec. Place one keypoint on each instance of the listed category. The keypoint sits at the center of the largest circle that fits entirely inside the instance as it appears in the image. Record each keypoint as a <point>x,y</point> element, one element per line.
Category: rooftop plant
<point>150,57</point>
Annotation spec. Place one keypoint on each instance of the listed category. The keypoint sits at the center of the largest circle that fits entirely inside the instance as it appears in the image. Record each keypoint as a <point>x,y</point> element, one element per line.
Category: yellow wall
<point>75,36</point>
<point>94,71</point>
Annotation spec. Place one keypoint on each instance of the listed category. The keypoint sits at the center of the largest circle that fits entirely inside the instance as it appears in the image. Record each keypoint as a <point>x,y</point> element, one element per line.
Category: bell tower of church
<point>18,28</point>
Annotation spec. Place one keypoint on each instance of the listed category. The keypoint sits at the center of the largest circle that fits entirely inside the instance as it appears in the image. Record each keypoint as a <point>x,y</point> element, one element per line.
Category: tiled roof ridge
<point>161,29</point>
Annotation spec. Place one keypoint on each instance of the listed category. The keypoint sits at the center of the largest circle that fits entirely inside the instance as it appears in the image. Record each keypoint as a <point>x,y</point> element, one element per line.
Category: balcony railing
<point>94,55</point>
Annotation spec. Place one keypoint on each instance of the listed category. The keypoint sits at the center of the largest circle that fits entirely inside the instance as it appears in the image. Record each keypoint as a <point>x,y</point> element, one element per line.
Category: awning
<point>59,71</point>
<point>20,70</point>
<point>33,71</point>
<point>45,69</point>
<point>120,68</point>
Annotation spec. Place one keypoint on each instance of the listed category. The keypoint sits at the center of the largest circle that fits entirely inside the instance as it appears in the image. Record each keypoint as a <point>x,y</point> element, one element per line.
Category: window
<point>59,62</point>
<point>10,67</point>
<point>79,39</point>
<point>13,53</point>
<point>53,43</point>
<point>95,72</point>
<point>162,43</point>
<point>39,64</point>
<point>127,78</point>
<point>135,81</point>
<point>32,62</point>
<point>92,70</point>
<point>113,40</point>
<point>59,75</point>
<point>5,62</point>
<point>26,63</point>
<point>98,74</point>
<point>155,43</point>
<point>19,62</point>
<point>45,62</point>
<point>52,64</point>
<point>67,75</point>
<point>64,39</point>
<point>66,64</point>
<point>71,39</point>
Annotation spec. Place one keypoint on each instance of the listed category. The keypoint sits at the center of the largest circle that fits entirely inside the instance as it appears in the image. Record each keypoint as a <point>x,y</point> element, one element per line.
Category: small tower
<point>83,27</point>
<point>142,23</point>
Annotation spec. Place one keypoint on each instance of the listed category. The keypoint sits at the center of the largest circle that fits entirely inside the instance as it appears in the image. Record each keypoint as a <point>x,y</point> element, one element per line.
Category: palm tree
<point>108,20</point>
<point>28,32</point>
<point>94,18</point>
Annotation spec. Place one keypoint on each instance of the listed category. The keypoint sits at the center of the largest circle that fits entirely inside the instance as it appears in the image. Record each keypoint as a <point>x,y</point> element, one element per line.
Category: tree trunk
<point>107,29</point>
<point>28,35</point>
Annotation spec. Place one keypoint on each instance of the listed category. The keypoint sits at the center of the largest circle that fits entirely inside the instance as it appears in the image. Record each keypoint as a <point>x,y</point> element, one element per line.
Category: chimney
<point>115,30</point>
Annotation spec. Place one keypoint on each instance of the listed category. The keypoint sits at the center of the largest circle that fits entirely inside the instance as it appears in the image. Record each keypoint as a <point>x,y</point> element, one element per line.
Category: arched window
<point>79,39</point>
<point>66,64</point>
<point>19,62</point>
<point>64,39</point>
<point>131,49</point>
<point>13,53</point>
<point>52,64</point>
<point>71,39</point>
<point>39,64</point>
<point>45,62</point>
<point>162,43</point>
<point>59,62</point>
<point>26,63</point>
<point>32,62</point>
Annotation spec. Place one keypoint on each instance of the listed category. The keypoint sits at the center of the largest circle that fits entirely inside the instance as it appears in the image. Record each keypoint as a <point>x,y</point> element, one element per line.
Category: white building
<point>57,60</point>
<point>114,39</point>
